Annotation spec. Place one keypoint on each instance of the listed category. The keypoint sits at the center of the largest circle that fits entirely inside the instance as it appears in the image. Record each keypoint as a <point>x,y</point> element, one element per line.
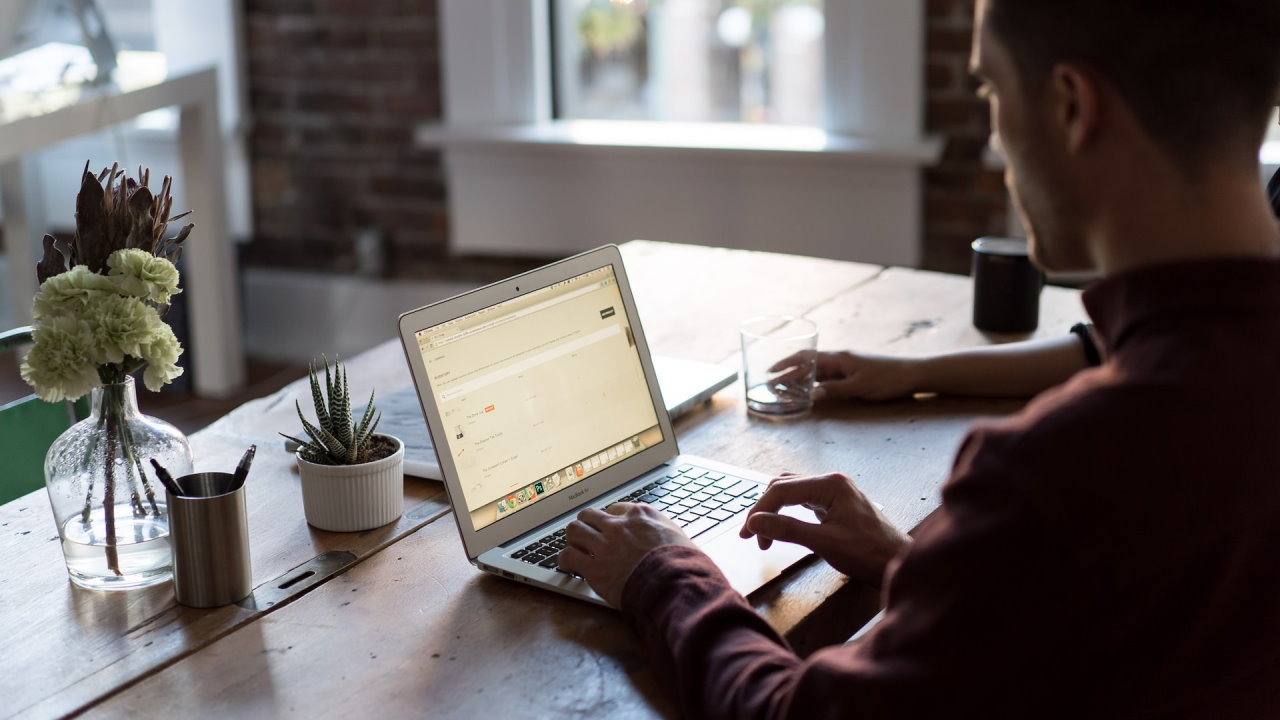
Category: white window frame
<point>849,190</point>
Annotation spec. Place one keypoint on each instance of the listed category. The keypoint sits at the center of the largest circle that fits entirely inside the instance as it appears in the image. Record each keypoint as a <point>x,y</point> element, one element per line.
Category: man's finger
<point>791,491</point>
<point>793,375</point>
<point>818,510</point>
<point>782,476</point>
<point>843,389</point>
<point>771,526</point>
<point>798,358</point>
<point>597,519</point>
<point>575,561</point>
<point>584,537</point>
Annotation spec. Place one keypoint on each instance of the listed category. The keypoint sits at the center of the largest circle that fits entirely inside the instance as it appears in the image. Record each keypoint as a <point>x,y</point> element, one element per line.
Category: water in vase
<point>142,549</point>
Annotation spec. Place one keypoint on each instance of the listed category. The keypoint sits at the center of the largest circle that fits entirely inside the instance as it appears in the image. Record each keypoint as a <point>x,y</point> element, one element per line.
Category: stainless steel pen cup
<point>209,532</point>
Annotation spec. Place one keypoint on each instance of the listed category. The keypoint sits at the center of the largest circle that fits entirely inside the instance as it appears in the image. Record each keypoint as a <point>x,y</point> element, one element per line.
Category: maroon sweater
<point>1111,551</point>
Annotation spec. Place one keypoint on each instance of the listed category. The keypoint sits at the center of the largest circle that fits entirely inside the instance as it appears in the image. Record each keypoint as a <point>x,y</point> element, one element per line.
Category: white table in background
<point>213,301</point>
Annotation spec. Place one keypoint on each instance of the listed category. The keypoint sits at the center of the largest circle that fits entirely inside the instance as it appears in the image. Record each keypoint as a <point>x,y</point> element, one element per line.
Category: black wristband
<point>1091,355</point>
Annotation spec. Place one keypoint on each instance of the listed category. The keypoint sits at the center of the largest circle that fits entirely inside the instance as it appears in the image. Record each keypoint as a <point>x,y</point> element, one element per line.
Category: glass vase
<point>107,501</point>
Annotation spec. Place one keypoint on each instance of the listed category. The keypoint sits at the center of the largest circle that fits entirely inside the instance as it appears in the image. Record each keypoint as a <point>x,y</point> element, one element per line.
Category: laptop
<point>685,385</point>
<point>542,399</point>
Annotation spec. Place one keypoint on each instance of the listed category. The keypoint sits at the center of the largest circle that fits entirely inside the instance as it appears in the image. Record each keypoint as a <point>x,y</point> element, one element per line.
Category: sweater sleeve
<point>723,659</point>
<point>973,626</point>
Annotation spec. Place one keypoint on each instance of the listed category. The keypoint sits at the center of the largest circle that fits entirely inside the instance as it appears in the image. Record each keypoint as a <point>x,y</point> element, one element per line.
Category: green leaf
<point>374,427</point>
<point>330,389</point>
<point>322,414</point>
<point>364,438</point>
<point>298,406</point>
<point>324,438</point>
<point>341,410</point>
<point>336,449</point>
<point>305,445</point>
<point>363,430</point>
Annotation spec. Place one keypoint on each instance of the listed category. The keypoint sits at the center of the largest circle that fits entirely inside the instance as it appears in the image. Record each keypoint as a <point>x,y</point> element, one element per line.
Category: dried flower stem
<point>112,420</point>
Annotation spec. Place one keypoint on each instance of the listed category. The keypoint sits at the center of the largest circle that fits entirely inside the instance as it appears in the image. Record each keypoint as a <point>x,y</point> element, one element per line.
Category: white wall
<point>297,316</point>
<point>546,201</point>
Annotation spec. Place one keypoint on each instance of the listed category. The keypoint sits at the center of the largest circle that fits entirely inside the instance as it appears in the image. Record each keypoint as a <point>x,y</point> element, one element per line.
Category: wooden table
<point>396,621</point>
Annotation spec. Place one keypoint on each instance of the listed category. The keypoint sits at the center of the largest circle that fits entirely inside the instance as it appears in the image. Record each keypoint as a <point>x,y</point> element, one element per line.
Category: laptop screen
<point>538,392</point>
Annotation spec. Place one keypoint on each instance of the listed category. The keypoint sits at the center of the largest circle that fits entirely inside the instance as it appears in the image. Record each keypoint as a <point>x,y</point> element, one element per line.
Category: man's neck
<point>1224,216</point>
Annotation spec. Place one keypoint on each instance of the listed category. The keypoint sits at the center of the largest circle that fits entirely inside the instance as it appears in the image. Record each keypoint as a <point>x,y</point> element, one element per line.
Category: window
<point>752,61</point>
<point>527,177</point>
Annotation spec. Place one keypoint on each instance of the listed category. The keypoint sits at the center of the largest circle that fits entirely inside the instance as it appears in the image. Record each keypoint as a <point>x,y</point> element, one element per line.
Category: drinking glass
<point>779,361</point>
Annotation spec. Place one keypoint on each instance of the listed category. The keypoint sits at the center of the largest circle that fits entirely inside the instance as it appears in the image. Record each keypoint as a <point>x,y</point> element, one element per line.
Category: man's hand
<point>846,375</point>
<point>605,547</point>
<point>852,535</point>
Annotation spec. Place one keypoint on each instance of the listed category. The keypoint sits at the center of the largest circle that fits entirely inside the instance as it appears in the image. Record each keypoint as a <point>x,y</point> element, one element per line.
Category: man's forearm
<point>1016,369</point>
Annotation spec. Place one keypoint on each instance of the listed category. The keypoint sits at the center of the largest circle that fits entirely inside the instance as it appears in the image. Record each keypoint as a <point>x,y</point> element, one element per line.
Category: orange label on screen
<point>489,409</point>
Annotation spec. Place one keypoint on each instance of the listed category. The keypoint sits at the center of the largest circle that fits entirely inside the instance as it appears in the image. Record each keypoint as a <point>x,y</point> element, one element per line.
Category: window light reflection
<point>732,136</point>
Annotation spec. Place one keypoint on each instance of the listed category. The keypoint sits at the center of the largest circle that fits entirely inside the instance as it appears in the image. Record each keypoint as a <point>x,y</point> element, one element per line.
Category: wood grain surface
<point>63,648</point>
<point>411,628</point>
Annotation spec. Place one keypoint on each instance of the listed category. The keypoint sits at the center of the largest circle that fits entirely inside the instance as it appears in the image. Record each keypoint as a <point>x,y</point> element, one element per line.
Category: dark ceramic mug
<point>1006,286</point>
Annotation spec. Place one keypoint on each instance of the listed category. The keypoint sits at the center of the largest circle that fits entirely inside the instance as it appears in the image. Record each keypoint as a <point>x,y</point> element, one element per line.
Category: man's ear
<point>1075,106</point>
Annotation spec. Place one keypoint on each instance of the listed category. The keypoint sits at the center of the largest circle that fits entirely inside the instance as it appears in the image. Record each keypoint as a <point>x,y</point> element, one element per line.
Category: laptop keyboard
<point>697,499</point>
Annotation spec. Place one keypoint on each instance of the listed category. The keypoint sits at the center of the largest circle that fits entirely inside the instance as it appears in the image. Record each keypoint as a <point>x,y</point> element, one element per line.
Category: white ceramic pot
<point>350,498</point>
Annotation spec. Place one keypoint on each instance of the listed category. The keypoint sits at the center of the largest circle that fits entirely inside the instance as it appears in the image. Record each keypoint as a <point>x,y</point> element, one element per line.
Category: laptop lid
<point>687,384</point>
<point>539,393</point>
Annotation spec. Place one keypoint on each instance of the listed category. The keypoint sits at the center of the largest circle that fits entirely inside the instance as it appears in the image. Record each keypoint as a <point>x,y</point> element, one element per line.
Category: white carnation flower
<point>70,292</point>
<point>121,326</point>
<point>140,274</point>
<point>59,366</point>
<point>161,355</point>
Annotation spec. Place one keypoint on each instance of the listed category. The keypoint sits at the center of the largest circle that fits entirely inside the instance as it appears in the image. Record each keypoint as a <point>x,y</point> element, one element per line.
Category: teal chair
<point>28,426</point>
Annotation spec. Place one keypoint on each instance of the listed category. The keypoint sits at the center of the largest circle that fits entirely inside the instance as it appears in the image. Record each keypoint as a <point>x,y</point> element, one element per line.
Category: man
<point>1273,190</point>
<point>1111,550</point>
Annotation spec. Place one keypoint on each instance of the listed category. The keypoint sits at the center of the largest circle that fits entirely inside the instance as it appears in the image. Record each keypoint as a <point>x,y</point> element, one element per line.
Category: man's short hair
<point>1200,75</point>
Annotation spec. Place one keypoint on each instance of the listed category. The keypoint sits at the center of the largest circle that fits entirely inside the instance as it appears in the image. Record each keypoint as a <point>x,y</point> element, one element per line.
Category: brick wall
<point>336,88</point>
<point>962,199</point>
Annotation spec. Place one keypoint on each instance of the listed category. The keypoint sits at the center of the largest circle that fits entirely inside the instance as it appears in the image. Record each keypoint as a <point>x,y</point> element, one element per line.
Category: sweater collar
<point>1122,302</point>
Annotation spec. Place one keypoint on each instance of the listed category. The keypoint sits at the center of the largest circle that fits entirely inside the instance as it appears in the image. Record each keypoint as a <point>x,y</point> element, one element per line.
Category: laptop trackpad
<point>748,567</point>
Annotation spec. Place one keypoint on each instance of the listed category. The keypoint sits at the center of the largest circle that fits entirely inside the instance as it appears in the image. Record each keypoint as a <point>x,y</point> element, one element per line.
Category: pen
<point>242,470</point>
<point>166,479</point>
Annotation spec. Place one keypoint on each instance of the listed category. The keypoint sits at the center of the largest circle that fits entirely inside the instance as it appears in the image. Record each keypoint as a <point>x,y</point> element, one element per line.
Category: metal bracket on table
<point>299,580</point>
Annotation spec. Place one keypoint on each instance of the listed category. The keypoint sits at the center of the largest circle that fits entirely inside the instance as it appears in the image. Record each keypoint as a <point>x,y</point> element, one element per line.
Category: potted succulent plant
<point>352,476</point>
